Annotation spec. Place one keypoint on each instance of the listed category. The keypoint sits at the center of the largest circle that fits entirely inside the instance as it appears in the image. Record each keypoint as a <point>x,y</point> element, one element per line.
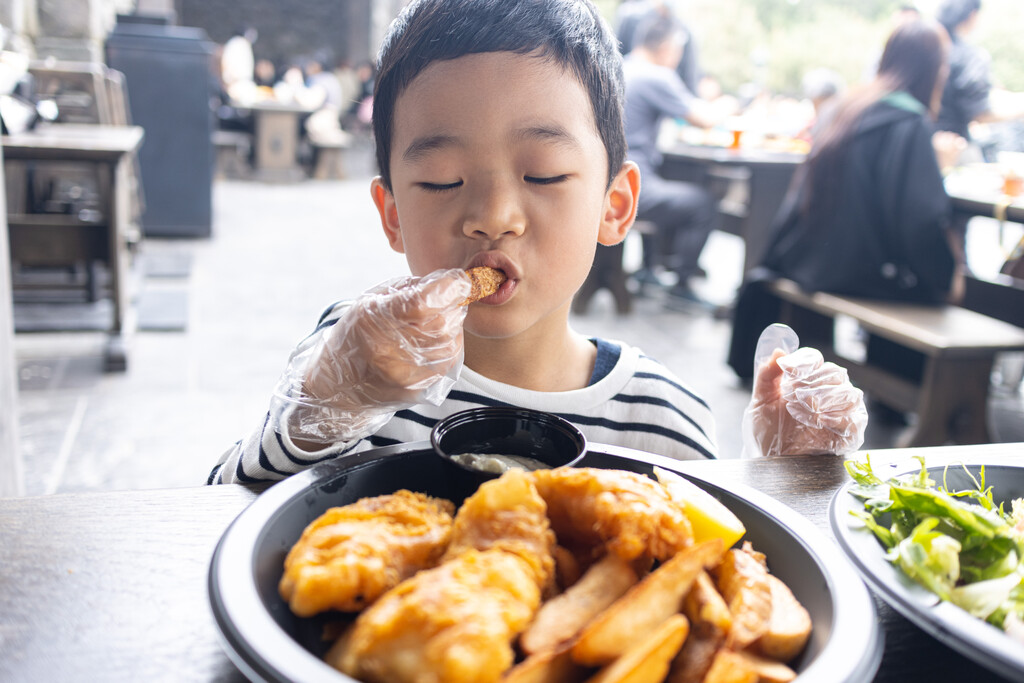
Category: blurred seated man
<point>684,213</point>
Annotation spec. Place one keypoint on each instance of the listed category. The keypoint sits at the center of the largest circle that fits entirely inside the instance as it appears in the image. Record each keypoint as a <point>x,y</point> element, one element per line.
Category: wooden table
<point>277,128</point>
<point>110,149</point>
<point>767,174</point>
<point>112,586</point>
<point>977,191</point>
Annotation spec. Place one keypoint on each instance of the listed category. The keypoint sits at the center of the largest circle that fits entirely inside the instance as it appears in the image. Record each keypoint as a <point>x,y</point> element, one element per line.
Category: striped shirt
<point>638,403</point>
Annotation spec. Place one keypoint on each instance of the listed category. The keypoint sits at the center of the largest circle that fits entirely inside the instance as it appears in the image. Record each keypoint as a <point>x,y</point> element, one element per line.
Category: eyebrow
<point>422,146</point>
<point>554,133</point>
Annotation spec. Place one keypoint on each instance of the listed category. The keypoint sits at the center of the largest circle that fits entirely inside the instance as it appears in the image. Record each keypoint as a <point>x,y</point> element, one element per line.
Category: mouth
<point>498,261</point>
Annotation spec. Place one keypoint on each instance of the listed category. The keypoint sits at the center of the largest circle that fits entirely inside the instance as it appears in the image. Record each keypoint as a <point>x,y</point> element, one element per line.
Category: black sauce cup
<point>521,432</point>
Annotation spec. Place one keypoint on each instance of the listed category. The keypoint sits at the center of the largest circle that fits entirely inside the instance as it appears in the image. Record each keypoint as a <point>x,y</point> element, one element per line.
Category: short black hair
<point>952,13</point>
<point>571,33</point>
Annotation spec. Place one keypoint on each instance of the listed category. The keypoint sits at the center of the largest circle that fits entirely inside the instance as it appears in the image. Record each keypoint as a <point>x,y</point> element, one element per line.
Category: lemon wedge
<point>708,517</point>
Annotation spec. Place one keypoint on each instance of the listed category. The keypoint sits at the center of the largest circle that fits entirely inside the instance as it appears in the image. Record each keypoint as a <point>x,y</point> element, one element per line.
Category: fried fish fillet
<point>624,513</point>
<point>457,623</point>
<point>485,282</point>
<point>351,555</point>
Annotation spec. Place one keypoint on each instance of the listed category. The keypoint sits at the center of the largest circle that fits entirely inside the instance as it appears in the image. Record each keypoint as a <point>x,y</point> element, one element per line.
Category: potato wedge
<point>743,582</point>
<point>644,607</point>
<point>789,625</point>
<point>562,617</point>
<point>568,569</point>
<point>695,657</point>
<point>730,667</point>
<point>550,666</point>
<point>744,667</point>
<point>648,661</point>
<point>705,605</point>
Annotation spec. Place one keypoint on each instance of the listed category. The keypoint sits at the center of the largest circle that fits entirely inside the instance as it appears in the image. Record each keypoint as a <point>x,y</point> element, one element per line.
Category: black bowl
<point>517,432</point>
<point>269,643</point>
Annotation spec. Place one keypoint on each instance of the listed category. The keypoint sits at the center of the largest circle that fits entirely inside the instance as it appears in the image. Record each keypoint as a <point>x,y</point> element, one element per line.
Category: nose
<point>496,212</point>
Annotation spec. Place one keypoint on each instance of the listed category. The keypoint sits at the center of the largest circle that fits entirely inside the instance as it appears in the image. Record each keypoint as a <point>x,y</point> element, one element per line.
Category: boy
<point>500,143</point>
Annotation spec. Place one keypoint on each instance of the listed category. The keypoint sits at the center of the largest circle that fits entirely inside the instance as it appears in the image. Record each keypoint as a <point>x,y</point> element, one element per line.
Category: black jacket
<point>885,238</point>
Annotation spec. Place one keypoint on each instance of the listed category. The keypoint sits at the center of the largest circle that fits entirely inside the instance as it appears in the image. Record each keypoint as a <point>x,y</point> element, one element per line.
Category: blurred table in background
<point>749,184</point>
<point>277,136</point>
<point>69,207</point>
<point>988,190</point>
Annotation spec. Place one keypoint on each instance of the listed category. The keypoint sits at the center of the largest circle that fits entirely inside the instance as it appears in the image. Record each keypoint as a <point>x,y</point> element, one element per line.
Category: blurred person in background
<point>633,14</point>
<point>824,88</point>
<point>237,65</point>
<point>969,95</point>
<point>684,213</point>
<point>867,214</point>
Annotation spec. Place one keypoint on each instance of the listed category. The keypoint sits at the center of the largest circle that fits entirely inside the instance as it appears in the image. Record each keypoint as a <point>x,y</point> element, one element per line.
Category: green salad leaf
<point>960,545</point>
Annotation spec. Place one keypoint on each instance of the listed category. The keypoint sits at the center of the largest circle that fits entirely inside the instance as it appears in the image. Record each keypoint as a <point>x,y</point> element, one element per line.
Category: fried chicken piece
<point>458,621</point>
<point>351,555</point>
<point>485,282</point>
<point>452,624</point>
<point>624,513</point>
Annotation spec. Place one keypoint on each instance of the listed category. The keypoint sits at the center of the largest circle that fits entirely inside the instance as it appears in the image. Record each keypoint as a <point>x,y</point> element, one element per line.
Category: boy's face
<point>496,160</point>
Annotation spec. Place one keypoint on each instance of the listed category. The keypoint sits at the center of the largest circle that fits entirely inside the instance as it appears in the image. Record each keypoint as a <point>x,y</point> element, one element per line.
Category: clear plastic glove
<point>800,405</point>
<point>397,345</point>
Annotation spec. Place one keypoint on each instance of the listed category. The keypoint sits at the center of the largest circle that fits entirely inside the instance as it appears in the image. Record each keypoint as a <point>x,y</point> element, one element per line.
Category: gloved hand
<point>800,405</point>
<point>397,345</point>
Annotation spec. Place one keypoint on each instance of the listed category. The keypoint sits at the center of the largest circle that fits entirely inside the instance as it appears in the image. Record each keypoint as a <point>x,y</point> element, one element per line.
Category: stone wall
<point>289,31</point>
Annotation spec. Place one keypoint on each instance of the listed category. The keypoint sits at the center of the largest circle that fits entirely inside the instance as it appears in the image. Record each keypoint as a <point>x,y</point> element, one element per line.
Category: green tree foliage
<point>772,43</point>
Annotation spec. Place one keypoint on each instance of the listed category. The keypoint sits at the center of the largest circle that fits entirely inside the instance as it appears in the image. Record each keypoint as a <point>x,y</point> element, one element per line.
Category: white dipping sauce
<point>498,464</point>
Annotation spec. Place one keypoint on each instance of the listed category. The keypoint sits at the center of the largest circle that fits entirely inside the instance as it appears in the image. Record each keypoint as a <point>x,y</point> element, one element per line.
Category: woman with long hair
<point>867,214</point>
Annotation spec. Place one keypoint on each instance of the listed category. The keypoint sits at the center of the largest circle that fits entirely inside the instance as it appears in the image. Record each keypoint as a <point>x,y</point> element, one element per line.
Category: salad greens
<point>960,545</point>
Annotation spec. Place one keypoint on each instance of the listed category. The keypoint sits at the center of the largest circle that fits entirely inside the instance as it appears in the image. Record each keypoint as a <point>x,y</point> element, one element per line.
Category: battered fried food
<point>624,513</point>
<point>457,623</point>
<point>351,555</point>
<point>454,623</point>
<point>485,282</point>
<point>507,513</point>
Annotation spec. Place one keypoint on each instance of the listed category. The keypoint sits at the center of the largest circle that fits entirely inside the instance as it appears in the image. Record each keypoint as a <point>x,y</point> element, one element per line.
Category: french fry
<point>644,607</point>
<point>550,666</point>
<point>743,581</point>
<point>648,661</point>
<point>789,625</point>
<point>561,617</point>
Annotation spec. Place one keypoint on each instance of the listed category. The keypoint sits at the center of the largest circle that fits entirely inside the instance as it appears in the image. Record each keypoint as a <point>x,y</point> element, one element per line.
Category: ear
<point>388,210</point>
<point>620,204</point>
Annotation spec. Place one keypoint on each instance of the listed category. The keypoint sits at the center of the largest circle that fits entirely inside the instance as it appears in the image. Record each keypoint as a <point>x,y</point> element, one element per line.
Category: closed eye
<point>550,180</point>
<point>440,187</point>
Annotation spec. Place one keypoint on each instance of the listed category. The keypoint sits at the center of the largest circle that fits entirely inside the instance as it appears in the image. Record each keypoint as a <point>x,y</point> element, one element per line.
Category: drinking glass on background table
<point>1012,168</point>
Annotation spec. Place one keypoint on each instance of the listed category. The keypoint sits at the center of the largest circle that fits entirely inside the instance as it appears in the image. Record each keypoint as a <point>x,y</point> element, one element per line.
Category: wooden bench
<point>328,159</point>
<point>232,150</point>
<point>607,273</point>
<point>959,347</point>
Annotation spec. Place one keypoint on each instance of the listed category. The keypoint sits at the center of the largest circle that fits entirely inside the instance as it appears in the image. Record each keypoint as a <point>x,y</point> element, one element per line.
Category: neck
<point>562,364</point>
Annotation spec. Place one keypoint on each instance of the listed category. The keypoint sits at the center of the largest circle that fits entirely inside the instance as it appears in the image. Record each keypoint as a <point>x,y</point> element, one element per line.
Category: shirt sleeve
<point>972,83</point>
<point>268,453</point>
<point>671,97</point>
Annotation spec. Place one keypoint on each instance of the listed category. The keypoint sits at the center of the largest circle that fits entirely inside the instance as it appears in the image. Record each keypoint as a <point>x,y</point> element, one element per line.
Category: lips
<point>498,261</point>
